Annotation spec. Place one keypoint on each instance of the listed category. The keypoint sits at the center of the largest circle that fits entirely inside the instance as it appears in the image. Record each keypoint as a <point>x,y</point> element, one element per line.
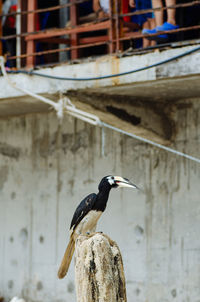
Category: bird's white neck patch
<point>111,180</point>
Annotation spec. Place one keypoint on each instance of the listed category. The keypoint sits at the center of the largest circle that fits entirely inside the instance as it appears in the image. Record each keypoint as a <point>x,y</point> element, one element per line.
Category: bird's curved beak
<point>124,182</point>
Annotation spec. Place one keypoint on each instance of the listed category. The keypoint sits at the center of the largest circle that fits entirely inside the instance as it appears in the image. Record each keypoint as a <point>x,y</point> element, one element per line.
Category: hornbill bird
<point>88,213</point>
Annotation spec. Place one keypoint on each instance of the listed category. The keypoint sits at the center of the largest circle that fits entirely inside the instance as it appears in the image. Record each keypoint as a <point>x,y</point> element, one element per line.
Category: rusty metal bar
<point>193,3</point>
<point>42,10</point>
<point>31,25</point>
<point>111,16</point>
<point>59,50</point>
<point>75,30</point>
<point>62,31</point>
<point>117,25</point>
<point>133,36</point>
<point>136,35</point>
<point>111,28</point>
<point>144,11</point>
<point>74,36</point>
<point>114,38</point>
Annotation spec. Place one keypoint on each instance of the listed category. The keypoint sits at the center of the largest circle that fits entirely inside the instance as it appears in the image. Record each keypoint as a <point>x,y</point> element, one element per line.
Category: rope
<point>94,119</point>
<point>144,140</point>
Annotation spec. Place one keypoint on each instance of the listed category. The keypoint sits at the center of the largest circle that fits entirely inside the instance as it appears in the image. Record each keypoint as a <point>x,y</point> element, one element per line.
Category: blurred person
<point>9,28</point>
<point>146,21</point>
<point>101,8</point>
<point>8,7</point>
<point>170,24</point>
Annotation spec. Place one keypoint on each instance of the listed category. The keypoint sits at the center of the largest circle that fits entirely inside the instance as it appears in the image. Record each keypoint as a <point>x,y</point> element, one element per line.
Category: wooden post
<point>99,270</point>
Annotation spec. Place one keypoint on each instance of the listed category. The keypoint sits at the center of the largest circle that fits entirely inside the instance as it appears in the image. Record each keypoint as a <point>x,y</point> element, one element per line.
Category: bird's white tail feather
<point>66,259</point>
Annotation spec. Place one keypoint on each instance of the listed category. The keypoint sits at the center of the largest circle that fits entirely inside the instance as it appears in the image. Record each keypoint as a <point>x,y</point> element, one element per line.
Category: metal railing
<point>110,35</point>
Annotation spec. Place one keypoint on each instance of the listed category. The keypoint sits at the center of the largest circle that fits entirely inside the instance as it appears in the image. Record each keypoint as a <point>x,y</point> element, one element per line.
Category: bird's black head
<point>115,182</point>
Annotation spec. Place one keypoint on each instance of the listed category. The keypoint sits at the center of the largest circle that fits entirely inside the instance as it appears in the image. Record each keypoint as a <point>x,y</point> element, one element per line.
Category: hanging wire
<point>93,119</point>
<point>150,142</point>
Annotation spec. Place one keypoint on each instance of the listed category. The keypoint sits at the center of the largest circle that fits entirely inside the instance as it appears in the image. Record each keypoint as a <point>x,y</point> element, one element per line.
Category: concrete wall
<point>45,171</point>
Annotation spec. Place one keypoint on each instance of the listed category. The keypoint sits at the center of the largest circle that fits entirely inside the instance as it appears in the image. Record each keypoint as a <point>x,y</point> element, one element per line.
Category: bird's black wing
<point>84,207</point>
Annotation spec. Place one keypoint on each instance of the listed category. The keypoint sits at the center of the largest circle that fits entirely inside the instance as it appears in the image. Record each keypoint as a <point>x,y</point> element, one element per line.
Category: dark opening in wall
<point>124,115</point>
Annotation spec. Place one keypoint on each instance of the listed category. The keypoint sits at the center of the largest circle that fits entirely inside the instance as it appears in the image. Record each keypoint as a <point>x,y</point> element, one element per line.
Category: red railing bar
<point>135,35</point>
<point>141,36</point>
<point>58,50</point>
<point>42,10</point>
<point>144,11</point>
<point>50,29</point>
<point>196,2</point>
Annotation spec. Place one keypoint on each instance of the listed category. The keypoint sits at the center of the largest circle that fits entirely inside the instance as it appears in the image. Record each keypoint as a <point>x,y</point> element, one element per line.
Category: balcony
<point>49,35</point>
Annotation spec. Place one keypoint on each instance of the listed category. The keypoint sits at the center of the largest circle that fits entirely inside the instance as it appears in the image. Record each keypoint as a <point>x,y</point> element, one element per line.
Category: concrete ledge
<point>186,66</point>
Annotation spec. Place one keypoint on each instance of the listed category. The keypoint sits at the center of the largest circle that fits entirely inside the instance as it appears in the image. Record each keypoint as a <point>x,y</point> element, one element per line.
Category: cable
<point>102,124</point>
<point>65,104</point>
<point>144,140</point>
<point>31,72</point>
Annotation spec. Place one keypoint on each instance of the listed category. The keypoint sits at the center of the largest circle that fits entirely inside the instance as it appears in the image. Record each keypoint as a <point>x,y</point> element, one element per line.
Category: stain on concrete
<point>47,144</point>
<point>137,291</point>
<point>80,142</point>
<point>39,285</point>
<point>139,233</point>
<point>41,239</point>
<point>59,185</point>
<point>71,184</point>
<point>11,239</point>
<point>74,143</point>
<point>174,293</point>
<point>10,284</point>
<point>9,151</point>
<point>67,140</point>
<point>3,176</point>
<point>14,262</point>
<point>13,195</point>
<point>70,287</point>
<point>163,188</point>
<point>44,144</point>
<point>23,122</point>
<point>23,235</point>
<point>152,114</point>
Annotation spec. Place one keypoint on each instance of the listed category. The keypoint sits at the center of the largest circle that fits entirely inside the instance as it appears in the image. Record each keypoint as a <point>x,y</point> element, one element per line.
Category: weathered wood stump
<point>99,270</point>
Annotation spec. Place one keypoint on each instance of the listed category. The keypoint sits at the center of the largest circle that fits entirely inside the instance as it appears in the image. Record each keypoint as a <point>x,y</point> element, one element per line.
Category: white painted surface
<point>106,65</point>
<point>47,169</point>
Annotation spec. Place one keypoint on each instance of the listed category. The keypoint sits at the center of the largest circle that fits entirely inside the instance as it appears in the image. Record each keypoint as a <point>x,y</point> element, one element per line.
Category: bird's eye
<point>112,177</point>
